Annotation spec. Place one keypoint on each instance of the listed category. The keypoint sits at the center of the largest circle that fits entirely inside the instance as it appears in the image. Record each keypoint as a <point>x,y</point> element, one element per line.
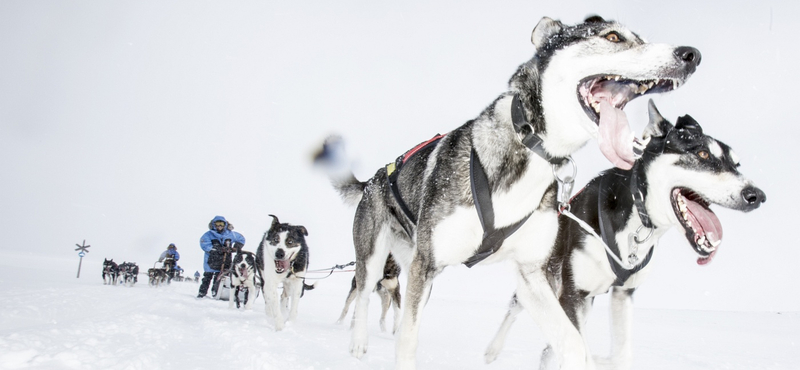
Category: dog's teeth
<point>702,240</point>
<point>716,243</point>
<point>616,78</point>
<point>642,89</point>
<point>651,84</point>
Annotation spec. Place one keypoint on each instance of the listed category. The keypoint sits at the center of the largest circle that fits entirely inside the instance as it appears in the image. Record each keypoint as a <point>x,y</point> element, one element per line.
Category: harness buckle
<point>565,184</point>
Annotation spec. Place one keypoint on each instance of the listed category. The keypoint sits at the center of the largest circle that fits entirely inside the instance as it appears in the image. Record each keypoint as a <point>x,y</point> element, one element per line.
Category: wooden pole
<point>79,267</point>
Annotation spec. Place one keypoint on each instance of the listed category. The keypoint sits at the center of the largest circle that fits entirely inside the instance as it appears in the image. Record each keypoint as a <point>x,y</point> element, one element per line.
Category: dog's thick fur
<point>681,173</point>
<point>110,272</point>
<point>388,288</point>
<point>573,68</point>
<point>243,277</point>
<point>282,258</point>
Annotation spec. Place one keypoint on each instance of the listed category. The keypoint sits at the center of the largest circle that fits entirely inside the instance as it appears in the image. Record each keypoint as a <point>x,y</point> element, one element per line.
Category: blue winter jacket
<point>169,252</point>
<point>212,234</point>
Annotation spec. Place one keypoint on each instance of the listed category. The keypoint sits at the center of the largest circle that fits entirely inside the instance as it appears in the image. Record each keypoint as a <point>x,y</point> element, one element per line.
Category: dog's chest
<point>457,236</point>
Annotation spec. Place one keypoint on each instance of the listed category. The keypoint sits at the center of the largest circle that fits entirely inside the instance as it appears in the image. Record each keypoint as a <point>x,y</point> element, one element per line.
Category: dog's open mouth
<point>702,227</point>
<point>281,266</point>
<point>603,98</point>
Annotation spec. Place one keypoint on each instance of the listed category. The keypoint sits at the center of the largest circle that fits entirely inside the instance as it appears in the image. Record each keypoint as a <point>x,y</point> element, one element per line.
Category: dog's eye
<point>702,154</point>
<point>613,37</point>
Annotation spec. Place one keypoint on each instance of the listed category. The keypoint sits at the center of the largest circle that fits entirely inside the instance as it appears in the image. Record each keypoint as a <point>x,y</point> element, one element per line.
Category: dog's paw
<point>491,354</point>
<point>358,350</point>
<point>603,363</point>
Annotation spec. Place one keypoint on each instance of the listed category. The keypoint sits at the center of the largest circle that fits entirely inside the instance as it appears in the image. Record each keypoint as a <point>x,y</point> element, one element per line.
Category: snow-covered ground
<point>49,319</point>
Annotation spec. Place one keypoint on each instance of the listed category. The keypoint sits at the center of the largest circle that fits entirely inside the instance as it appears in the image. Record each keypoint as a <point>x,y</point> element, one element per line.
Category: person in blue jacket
<point>219,239</point>
<point>172,250</point>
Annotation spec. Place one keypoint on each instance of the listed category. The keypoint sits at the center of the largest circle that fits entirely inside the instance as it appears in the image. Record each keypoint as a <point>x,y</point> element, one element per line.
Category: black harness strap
<point>482,196</point>
<point>481,191</point>
<point>393,172</point>
<point>608,234</point>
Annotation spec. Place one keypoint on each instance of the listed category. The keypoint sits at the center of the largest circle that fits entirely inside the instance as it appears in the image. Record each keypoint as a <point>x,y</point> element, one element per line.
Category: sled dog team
<point>493,189</point>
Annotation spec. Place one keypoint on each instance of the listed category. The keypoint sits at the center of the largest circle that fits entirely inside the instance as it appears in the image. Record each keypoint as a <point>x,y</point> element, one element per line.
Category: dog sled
<point>163,274</point>
<point>222,285</point>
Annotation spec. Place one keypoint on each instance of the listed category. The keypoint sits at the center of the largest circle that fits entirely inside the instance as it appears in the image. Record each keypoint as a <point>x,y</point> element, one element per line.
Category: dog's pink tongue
<point>615,138</point>
<point>708,225</point>
<point>282,264</point>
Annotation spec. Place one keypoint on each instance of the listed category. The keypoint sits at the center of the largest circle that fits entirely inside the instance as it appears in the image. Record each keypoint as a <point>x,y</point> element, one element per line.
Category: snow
<point>50,319</point>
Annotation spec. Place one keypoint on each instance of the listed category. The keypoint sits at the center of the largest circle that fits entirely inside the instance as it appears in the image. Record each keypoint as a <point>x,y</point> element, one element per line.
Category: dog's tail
<point>308,287</point>
<point>331,158</point>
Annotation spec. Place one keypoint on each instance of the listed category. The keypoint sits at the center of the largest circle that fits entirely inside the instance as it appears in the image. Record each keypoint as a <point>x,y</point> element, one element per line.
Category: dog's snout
<point>280,254</point>
<point>753,196</point>
<point>691,56</point>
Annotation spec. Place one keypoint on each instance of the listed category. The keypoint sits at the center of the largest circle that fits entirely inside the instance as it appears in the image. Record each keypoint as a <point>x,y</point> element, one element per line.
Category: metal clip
<point>565,185</point>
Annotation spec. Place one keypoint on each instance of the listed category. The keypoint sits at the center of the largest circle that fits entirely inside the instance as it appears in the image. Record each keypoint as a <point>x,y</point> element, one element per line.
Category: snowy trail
<point>51,320</point>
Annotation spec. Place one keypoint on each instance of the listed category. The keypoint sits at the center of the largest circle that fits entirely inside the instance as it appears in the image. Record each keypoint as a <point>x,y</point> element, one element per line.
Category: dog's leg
<point>350,297</point>
<point>396,305</point>
<point>536,295</point>
<point>370,259</point>
<point>621,320</point>
<point>234,295</point>
<point>514,308</point>
<point>420,282</point>
<point>249,296</point>
<point>294,296</point>
<point>386,301</point>
<point>271,300</point>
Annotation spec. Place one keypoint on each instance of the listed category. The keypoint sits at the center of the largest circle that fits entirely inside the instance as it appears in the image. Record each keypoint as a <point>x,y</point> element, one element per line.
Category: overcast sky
<point>131,124</point>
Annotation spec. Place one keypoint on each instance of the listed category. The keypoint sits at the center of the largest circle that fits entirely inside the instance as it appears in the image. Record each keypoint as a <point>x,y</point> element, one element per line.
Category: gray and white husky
<point>460,198</point>
<point>681,173</point>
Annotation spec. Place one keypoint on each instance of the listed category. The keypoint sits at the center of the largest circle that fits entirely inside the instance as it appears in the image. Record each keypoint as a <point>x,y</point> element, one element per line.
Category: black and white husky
<point>110,272</point>
<point>282,259</point>
<point>243,278</point>
<point>458,200</point>
<point>681,173</point>
<point>388,288</point>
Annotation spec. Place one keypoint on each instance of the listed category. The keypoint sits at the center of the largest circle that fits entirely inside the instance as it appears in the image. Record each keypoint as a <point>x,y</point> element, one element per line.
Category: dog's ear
<point>594,19</point>
<point>688,123</point>
<point>275,221</point>
<point>303,229</point>
<point>658,125</point>
<point>546,28</point>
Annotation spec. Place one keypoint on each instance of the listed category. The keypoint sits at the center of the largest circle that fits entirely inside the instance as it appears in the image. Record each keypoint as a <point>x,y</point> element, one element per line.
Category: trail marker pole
<point>83,250</point>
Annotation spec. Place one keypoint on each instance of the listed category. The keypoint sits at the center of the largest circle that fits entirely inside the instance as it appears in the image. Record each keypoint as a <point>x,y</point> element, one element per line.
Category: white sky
<point>130,124</point>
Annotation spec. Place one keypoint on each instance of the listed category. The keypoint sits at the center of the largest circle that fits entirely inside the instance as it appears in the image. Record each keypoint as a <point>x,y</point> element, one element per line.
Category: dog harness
<point>481,191</point>
<point>393,172</point>
<point>493,238</point>
<point>608,234</point>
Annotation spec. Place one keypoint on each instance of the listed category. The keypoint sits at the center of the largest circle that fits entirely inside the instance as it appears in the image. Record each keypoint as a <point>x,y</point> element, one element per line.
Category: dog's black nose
<point>753,196</point>
<point>279,254</point>
<point>689,55</point>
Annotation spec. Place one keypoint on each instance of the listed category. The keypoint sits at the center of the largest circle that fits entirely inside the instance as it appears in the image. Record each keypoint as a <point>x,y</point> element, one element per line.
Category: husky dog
<point>388,289</point>
<point>243,277</point>
<point>110,272</point>
<point>129,273</point>
<point>681,173</point>
<point>460,199</point>
<point>282,258</point>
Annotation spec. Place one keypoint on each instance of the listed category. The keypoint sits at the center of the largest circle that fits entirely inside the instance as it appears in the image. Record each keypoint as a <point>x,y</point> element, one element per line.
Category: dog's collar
<point>530,139</point>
